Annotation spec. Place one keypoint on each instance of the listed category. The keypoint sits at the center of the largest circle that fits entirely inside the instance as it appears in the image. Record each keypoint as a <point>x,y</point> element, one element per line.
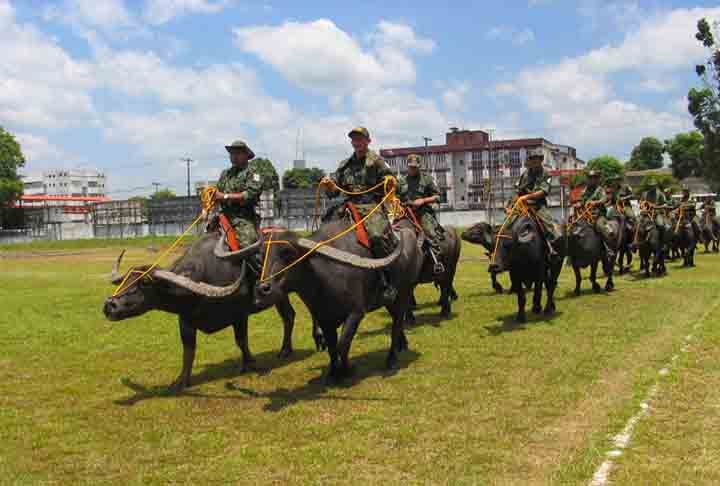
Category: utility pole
<point>427,139</point>
<point>491,190</point>
<point>157,185</point>
<point>187,160</point>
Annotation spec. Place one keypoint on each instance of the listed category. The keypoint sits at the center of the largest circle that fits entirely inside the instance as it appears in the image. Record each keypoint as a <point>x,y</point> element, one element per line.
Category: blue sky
<point>130,86</point>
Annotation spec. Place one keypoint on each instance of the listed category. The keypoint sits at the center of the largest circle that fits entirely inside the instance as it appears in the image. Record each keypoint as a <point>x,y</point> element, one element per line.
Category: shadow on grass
<point>434,320</point>
<point>364,366</point>
<point>509,323</point>
<point>228,369</point>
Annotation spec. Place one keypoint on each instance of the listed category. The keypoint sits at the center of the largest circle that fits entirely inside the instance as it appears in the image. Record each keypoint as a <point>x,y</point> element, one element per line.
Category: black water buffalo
<point>585,248</point>
<point>448,258</point>
<point>710,233</point>
<point>684,240</point>
<point>521,251</point>
<point>207,290</point>
<point>624,256</point>
<point>649,243</point>
<point>339,283</point>
<point>483,234</point>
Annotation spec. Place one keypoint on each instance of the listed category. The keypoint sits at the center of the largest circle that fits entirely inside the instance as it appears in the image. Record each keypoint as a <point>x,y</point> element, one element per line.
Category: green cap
<point>413,160</point>
<point>652,183</point>
<point>359,131</point>
<point>240,145</point>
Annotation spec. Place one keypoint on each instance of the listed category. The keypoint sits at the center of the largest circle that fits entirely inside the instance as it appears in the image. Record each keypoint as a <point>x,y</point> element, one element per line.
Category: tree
<point>648,154</point>
<point>663,181</point>
<point>686,151</point>
<point>704,103</point>
<point>11,158</point>
<point>163,194</point>
<point>295,178</point>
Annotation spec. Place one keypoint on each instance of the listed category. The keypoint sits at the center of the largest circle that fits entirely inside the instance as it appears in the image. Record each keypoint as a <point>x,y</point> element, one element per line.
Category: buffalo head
<point>158,289</point>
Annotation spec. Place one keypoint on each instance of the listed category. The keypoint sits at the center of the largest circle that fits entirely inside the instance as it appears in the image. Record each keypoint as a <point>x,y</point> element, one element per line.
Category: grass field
<point>477,400</point>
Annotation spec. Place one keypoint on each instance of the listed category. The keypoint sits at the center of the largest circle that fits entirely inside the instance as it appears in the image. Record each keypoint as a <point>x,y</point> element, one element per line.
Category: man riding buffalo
<point>238,192</point>
<point>688,212</point>
<point>533,188</point>
<point>655,199</point>
<point>594,199</point>
<point>354,177</point>
<point>420,192</point>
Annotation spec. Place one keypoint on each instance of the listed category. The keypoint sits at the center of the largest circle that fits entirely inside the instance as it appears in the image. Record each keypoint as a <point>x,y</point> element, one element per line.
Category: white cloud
<point>658,85</point>
<point>40,84</point>
<point>162,11</point>
<point>37,148</point>
<point>453,96</point>
<point>509,34</point>
<point>106,13</point>
<point>322,58</point>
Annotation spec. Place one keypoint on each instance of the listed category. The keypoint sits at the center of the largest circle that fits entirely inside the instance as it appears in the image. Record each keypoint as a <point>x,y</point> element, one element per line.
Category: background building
<point>66,182</point>
<point>473,172</point>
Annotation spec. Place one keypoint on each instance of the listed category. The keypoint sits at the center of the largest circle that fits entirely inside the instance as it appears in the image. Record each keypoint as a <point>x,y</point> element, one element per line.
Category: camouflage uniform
<point>709,208</point>
<point>422,186</point>
<point>656,198</point>
<point>689,212</point>
<point>241,214</point>
<point>357,175</point>
<point>596,194</point>
<point>535,180</point>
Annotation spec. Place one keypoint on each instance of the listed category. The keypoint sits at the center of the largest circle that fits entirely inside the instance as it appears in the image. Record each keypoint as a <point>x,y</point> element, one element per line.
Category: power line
<point>187,160</point>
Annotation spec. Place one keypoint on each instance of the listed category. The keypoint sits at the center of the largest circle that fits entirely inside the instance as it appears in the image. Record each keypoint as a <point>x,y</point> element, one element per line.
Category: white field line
<point>621,441</point>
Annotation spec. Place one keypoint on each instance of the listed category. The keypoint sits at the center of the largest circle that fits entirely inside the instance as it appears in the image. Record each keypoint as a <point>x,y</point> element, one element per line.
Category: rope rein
<point>520,208</point>
<point>389,185</point>
<point>207,199</point>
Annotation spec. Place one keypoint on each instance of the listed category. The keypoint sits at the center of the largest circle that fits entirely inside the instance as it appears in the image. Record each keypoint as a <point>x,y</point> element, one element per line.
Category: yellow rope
<point>207,199</point>
<point>520,207</point>
<point>389,185</point>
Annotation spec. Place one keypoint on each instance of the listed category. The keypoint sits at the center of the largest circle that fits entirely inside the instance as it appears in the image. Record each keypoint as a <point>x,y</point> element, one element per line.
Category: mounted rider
<point>419,191</point>
<point>687,211</point>
<point>360,172</point>
<point>238,192</point>
<point>594,199</point>
<point>533,188</point>
<point>656,203</point>
<point>619,196</point>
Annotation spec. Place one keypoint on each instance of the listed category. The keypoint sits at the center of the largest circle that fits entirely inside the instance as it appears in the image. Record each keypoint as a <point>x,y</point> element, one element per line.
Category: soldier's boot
<point>434,250</point>
<point>389,292</point>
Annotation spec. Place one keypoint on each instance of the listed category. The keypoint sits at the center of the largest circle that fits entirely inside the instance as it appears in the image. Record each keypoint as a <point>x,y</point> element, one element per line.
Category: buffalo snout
<point>110,308</point>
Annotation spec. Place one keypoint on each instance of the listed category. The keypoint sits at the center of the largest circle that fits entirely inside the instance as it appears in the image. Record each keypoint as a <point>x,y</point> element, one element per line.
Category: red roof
<point>434,149</point>
<point>44,197</point>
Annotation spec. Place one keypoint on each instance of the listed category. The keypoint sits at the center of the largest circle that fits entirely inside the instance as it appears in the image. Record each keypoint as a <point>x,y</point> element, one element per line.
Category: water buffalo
<point>207,291</point>
<point>448,258</point>
<point>484,234</point>
<point>339,283</point>
<point>624,254</point>
<point>710,233</point>
<point>648,242</point>
<point>684,240</point>
<point>585,248</point>
<point>521,251</point>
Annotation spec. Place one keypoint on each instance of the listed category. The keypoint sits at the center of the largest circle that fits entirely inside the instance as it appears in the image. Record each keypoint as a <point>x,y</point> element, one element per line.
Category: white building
<point>469,169</point>
<point>66,182</point>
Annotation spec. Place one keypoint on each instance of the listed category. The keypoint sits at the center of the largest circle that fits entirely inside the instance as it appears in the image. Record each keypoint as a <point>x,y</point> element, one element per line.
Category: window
<point>515,164</point>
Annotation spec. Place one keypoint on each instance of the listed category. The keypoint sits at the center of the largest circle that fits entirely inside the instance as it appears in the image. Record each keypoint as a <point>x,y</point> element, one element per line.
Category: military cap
<point>652,183</point>
<point>359,131</point>
<point>667,189</point>
<point>593,173</point>
<point>413,160</point>
<point>240,145</point>
<point>685,188</point>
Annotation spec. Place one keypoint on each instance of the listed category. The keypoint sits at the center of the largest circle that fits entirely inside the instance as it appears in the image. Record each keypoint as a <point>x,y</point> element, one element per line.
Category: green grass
<point>477,400</point>
<point>99,243</point>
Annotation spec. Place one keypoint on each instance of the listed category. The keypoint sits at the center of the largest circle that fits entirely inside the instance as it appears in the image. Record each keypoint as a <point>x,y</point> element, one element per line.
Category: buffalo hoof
<point>498,288</point>
<point>521,318</point>
<point>549,310</point>
<point>453,294</point>
<point>445,311</point>
<point>609,287</point>
<point>391,363</point>
<point>536,309</point>
<point>596,287</point>
<point>285,353</point>
<point>577,292</point>
<point>180,383</point>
